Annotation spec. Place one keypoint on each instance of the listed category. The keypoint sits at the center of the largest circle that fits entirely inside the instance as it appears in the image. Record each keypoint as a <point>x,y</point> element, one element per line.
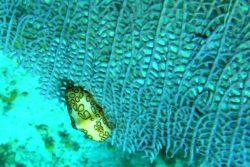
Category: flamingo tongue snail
<point>86,114</point>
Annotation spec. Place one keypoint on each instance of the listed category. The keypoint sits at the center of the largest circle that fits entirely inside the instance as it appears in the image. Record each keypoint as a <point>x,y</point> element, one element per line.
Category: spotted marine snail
<point>85,114</point>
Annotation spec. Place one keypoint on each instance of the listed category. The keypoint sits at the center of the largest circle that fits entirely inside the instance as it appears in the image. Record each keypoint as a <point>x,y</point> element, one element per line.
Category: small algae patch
<point>49,143</point>
<point>63,134</point>
<point>7,156</point>
<point>8,99</point>
<point>67,142</point>
<point>72,145</point>
<point>42,129</point>
<point>24,93</point>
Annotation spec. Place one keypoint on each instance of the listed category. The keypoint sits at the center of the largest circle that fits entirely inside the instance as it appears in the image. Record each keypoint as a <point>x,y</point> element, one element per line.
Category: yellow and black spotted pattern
<point>86,115</point>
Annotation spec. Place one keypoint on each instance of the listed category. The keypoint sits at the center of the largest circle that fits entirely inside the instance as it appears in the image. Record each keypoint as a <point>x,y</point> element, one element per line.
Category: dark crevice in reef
<point>201,35</point>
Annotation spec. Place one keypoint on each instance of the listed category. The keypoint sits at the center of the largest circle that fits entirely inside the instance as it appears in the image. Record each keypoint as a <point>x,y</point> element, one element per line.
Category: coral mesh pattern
<point>170,75</point>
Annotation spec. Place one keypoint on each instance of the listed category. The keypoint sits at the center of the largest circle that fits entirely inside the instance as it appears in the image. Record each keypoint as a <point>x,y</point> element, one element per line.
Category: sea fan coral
<point>170,75</point>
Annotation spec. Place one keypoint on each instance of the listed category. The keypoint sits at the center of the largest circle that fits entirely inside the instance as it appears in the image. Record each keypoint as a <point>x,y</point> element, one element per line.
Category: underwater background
<point>37,132</point>
<point>165,82</point>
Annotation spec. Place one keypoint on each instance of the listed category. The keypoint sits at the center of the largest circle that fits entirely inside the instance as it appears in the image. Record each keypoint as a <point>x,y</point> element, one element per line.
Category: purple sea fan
<point>170,75</point>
